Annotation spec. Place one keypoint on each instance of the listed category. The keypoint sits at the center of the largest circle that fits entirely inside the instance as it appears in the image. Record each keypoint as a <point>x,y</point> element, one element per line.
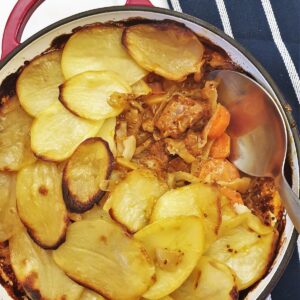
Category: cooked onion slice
<point>36,271</point>
<point>165,48</point>
<point>89,165</point>
<point>102,257</point>
<point>196,199</point>
<point>133,199</point>
<point>37,85</point>
<point>210,280</point>
<point>15,151</point>
<point>99,48</point>
<point>107,133</point>
<point>56,133</point>
<point>9,219</point>
<point>175,245</point>
<point>40,203</point>
<point>88,94</point>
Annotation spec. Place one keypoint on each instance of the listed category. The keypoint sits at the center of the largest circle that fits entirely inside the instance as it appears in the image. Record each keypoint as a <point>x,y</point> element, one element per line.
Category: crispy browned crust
<point>234,293</point>
<point>73,203</point>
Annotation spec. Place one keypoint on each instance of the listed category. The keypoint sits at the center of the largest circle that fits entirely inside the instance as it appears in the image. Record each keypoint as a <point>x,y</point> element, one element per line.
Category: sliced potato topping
<point>246,251</point>
<point>175,244</point>
<point>40,203</point>
<point>37,85</point>
<point>132,200</point>
<point>38,274</point>
<point>195,199</point>
<point>102,257</point>
<point>107,133</point>
<point>87,168</point>
<point>15,151</point>
<point>90,295</point>
<point>88,94</point>
<point>56,133</point>
<point>210,280</point>
<point>141,88</point>
<point>168,49</point>
<point>99,48</point>
<point>9,218</point>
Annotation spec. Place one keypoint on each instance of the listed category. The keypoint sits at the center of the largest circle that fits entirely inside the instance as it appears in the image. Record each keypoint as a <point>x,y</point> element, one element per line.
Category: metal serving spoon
<point>258,132</point>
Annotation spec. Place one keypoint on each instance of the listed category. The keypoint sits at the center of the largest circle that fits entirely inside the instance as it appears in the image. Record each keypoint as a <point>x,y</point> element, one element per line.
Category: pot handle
<point>20,15</point>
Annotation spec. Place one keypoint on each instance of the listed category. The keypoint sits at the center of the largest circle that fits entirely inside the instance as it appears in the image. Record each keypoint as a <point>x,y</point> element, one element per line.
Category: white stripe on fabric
<point>281,47</point>
<point>224,17</point>
<point>269,297</point>
<point>176,5</point>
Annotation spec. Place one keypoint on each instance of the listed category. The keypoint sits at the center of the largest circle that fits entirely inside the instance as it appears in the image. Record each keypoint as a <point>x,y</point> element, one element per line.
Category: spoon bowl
<point>258,133</point>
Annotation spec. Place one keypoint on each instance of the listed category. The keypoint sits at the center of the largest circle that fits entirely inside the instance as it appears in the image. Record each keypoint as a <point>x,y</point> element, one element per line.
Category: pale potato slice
<point>56,133</point>
<point>88,167</point>
<point>38,274</point>
<point>88,94</point>
<point>175,244</point>
<point>37,85</point>
<point>99,48</point>
<point>132,200</point>
<point>107,133</point>
<point>168,49</point>
<point>15,124</point>
<point>196,199</point>
<point>40,203</point>
<point>90,295</point>
<point>141,88</point>
<point>9,218</point>
<point>247,252</point>
<point>210,280</point>
<point>97,213</point>
<point>102,257</point>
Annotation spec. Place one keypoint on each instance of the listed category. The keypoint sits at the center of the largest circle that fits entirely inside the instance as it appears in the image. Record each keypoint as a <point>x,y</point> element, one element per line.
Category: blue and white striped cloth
<point>270,30</point>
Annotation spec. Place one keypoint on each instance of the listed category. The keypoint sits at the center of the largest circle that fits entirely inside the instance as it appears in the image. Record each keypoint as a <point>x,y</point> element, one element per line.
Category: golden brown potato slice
<point>87,168</point>
<point>9,218</point>
<point>132,200</point>
<point>88,94</point>
<point>38,274</point>
<point>102,257</point>
<point>15,151</point>
<point>37,85</point>
<point>107,133</point>
<point>56,133</point>
<point>168,49</point>
<point>196,199</point>
<point>175,244</point>
<point>40,203</point>
<point>247,252</point>
<point>90,295</point>
<point>141,88</point>
<point>99,48</point>
<point>210,280</point>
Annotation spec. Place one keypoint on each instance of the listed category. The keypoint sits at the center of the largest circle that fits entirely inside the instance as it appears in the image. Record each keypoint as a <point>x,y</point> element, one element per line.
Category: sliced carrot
<point>232,195</point>
<point>219,122</point>
<point>220,147</point>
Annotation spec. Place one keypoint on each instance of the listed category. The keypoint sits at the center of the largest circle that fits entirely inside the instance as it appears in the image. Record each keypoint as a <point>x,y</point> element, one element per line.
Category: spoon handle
<point>290,200</point>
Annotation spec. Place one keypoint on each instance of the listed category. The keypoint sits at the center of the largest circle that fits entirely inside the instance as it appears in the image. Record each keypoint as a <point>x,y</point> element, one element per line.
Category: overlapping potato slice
<point>132,200</point>
<point>88,167</point>
<point>175,244</point>
<point>88,94</point>
<point>99,48</point>
<point>90,295</point>
<point>247,250</point>
<point>40,203</point>
<point>38,274</point>
<point>15,125</point>
<point>9,219</point>
<point>37,85</point>
<point>168,49</point>
<point>107,133</point>
<point>192,200</point>
<point>210,280</point>
<point>56,132</point>
<point>141,88</point>
<point>102,257</point>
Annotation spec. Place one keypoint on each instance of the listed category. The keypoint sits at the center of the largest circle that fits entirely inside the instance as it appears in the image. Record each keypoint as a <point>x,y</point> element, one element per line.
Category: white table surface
<point>51,11</point>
